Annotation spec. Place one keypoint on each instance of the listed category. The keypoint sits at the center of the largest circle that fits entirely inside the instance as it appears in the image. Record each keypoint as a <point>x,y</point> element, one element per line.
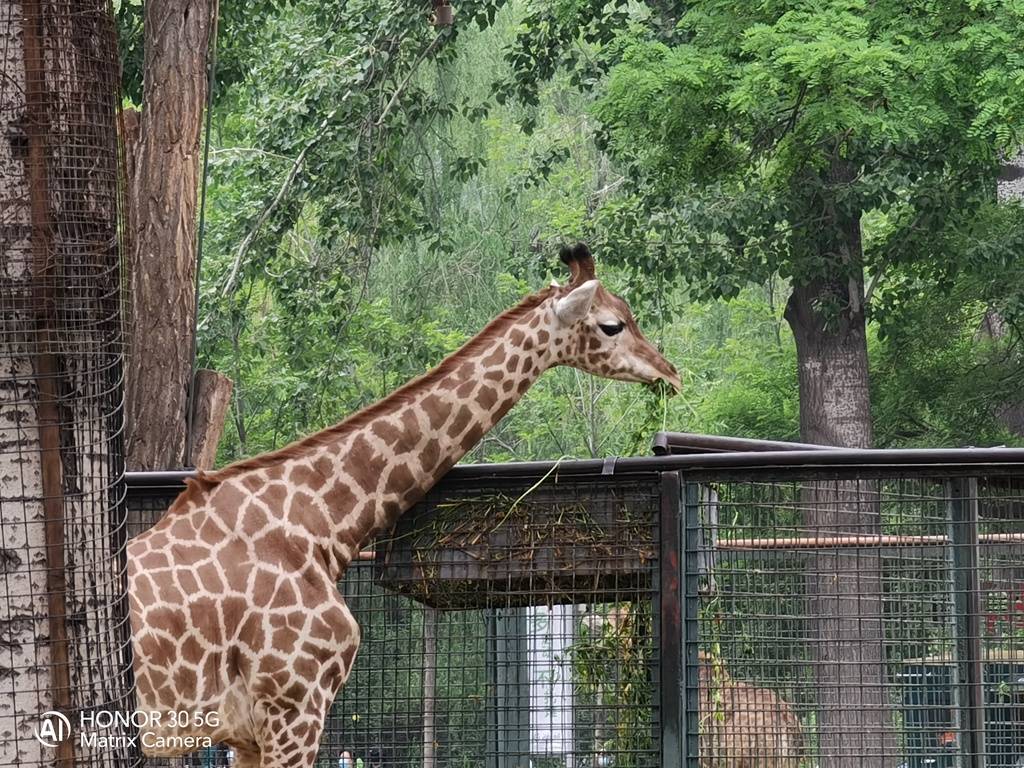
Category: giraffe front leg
<point>289,737</point>
<point>290,720</point>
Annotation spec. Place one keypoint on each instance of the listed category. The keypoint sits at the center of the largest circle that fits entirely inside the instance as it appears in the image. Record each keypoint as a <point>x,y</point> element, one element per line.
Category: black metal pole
<point>691,623</point>
<point>669,619</point>
<point>967,610</point>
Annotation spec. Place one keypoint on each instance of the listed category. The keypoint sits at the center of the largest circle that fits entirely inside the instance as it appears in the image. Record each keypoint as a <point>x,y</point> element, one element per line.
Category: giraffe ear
<point>575,305</point>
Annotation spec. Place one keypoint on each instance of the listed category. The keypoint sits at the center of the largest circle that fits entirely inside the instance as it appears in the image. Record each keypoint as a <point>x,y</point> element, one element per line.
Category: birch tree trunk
<point>22,607</point>
<point>62,609</point>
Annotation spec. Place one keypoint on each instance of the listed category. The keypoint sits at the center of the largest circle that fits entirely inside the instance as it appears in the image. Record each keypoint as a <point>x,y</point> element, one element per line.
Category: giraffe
<point>234,605</point>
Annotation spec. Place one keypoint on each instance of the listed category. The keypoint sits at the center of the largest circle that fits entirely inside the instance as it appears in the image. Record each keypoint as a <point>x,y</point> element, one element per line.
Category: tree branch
<point>429,50</point>
<point>250,238</point>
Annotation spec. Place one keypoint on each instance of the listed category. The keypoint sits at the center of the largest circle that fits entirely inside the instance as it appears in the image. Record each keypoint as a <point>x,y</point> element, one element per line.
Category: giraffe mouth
<point>665,386</point>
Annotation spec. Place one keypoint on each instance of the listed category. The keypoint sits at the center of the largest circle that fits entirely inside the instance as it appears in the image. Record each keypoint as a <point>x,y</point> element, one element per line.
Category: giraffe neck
<point>433,425</point>
<point>387,457</point>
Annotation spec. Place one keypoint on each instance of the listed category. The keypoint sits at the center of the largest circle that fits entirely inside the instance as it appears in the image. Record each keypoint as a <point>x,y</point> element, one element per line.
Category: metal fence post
<point>691,613</point>
<point>970,694</point>
<point>668,615</point>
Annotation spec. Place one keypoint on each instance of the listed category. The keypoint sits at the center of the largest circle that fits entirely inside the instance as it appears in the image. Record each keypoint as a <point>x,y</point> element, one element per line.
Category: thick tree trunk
<point>23,606</point>
<point>163,196</point>
<point>832,358</point>
<point>844,590</point>
<point>62,609</point>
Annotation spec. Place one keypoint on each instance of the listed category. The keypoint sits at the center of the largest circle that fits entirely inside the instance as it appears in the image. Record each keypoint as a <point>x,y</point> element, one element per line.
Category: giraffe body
<point>234,606</point>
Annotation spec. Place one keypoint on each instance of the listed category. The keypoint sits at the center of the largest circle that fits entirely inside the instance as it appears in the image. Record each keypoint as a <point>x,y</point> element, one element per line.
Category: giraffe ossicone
<point>235,610</point>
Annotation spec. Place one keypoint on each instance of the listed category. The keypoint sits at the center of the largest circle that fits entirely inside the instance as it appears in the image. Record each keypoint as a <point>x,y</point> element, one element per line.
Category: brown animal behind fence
<point>743,726</point>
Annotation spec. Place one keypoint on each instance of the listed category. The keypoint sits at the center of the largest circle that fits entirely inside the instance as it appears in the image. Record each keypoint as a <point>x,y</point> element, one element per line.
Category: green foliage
<point>751,142</point>
<point>940,380</point>
<point>611,668</point>
<point>383,201</point>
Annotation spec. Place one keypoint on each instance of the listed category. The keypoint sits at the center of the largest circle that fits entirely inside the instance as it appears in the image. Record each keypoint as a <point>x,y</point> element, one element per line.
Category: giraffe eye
<point>611,329</point>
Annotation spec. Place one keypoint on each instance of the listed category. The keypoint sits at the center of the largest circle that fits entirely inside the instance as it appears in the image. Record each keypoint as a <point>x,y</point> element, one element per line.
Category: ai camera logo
<point>54,728</point>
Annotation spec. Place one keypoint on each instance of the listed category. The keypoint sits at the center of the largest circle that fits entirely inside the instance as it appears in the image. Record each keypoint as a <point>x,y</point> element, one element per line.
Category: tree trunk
<point>163,195</point>
<point>62,607</point>
<point>1010,413</point>
<point>832,357</point>
<point>844,589</point>
<point>209,409</point>
<point>22,605</point>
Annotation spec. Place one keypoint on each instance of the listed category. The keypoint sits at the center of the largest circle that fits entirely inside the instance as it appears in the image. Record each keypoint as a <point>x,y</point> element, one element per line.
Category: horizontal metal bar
<point>930,459</point>
<point>858,542</point>
<point>684,443</point>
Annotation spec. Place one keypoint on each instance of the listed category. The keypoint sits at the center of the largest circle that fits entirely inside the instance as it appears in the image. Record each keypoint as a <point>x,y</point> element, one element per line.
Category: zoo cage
<point>805,608</point>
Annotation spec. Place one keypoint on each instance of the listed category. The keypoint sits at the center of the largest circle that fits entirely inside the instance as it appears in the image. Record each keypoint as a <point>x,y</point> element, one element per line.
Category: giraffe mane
<point>204,481</point>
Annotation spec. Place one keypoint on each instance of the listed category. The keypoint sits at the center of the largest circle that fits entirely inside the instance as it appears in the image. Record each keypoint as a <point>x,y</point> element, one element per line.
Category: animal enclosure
<point>835,608</point>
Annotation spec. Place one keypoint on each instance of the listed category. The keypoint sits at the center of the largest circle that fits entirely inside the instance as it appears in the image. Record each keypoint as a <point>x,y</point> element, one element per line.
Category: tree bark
<point>62,603</point>
<point>209,409</point>
<point>832,359</point>
<point>844,589</point>
<point>163,195</point>
<point>22,605</point>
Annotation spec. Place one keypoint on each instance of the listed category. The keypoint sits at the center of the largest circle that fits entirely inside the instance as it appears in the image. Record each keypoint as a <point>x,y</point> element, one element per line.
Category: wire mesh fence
<point>502,628</point>
<point>62,620</point>
<point>773,617</point>
<point>857,621</point>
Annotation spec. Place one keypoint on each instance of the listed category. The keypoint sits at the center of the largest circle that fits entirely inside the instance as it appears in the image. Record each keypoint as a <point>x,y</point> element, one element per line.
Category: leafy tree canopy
<point>752,138</point>
<point>377,239</point>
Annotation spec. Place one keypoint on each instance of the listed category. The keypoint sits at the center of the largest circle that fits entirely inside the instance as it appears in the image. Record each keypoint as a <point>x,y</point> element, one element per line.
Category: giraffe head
<point>603,338</point>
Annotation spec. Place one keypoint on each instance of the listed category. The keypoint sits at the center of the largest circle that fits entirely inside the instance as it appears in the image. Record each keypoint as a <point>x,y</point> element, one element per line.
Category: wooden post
<point>210,402</point>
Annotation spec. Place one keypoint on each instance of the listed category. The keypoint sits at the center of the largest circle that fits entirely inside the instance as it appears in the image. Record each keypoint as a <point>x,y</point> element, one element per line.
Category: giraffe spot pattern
<point>234,596</point>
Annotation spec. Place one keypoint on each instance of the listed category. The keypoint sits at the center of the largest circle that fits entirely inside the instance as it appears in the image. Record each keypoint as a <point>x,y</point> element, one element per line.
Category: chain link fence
<point>856,618</point>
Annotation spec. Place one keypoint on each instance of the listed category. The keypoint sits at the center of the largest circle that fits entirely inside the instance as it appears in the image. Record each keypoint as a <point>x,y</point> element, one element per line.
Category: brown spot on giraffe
<point>497,357</point>
<point>487,397</point>
<point>401,479</point>
<point>242,570</point>
<point>365,464</point>
<point>472,437</point>
<point>187,581</point>
<point>387,432</point>
<point>410,424</point>
<point>436,409</point>
<point>460,422</point>
<point>429,455</point>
